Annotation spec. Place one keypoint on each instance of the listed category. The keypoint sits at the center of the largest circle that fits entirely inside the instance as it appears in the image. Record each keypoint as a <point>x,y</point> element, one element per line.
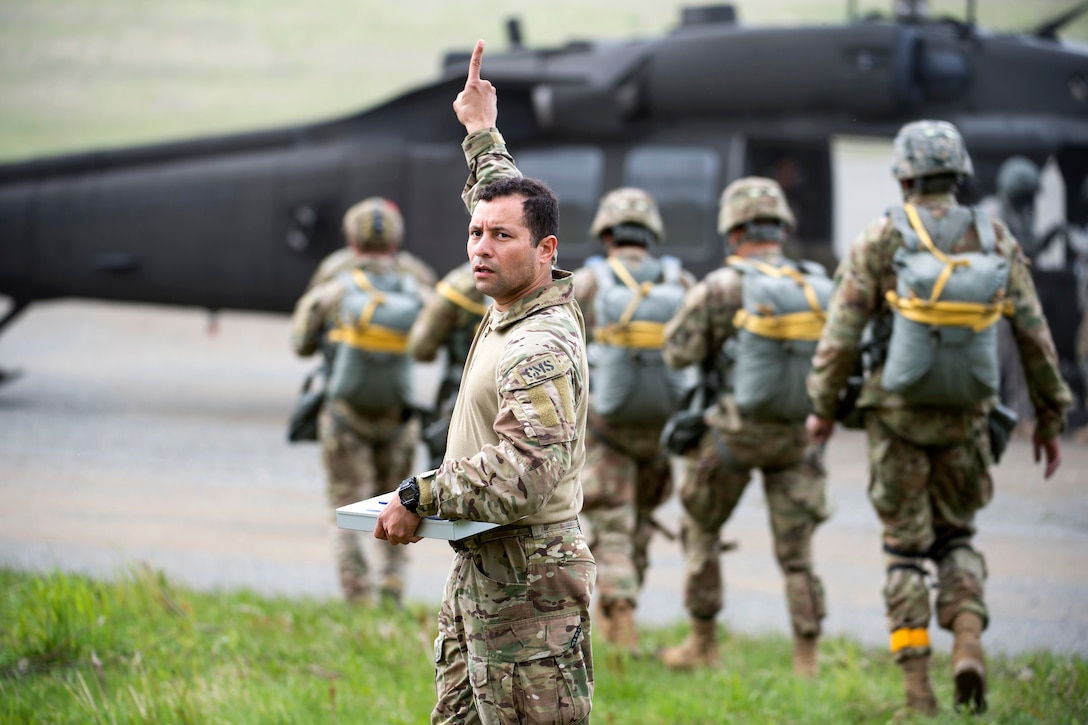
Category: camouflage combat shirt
<point>516,445</point>
<point>863,278</point>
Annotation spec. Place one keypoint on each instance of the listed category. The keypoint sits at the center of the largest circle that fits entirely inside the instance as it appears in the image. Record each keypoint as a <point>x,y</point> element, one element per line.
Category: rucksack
<point>631,382</point>
<point>371,370</point>
<point>784,310</point>
<point>943,345</point>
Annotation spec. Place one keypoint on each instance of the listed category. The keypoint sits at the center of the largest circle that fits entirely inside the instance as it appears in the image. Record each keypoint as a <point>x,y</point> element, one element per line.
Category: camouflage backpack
<point>631,382</point>
<point>784,310</point>
<point>943,346</point>
<point>371,370</point>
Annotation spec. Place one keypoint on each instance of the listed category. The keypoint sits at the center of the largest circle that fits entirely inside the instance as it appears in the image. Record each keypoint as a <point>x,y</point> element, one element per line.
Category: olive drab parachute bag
<point>943,345</point>
<point>371,370</point>
<point>631,382</point>
<point>784,310</point>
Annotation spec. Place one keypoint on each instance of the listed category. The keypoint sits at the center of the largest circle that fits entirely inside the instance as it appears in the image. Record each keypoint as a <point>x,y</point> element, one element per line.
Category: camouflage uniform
<point>364,454</point>
<point>735,443</point>
<point>928,473</point>
<point>627,474</point>
<point>793,482</point>
<point>513,639</point>
<point>449,321</point>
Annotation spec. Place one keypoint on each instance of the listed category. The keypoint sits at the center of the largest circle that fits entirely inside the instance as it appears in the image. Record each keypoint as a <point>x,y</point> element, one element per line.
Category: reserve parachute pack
<point>943,345</point>
<point>371,370</point>
<point>631,382</point>
<point>784,310</point>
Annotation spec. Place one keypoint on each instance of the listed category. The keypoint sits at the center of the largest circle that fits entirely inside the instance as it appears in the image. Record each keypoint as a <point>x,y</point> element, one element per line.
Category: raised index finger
<point>476,61</point>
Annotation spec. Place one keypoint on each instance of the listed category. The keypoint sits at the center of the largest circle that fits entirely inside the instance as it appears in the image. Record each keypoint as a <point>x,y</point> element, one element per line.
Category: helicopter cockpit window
<point>576,175</point>
<point>685,181</point>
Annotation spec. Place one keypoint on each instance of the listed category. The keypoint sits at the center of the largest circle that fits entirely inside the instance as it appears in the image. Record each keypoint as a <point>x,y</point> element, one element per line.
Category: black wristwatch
<point>409,493</point>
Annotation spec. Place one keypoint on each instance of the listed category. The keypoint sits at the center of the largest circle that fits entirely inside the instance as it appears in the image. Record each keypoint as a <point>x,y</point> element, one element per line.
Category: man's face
<point>505,265</point>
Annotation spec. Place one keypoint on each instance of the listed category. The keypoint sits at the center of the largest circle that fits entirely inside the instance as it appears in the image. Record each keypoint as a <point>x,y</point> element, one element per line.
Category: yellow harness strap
<point>792,326</point>
<point>976,315</point>
<point>455,296</point>
<point>365,335</point>
<point>625,333</point>
<point>373,338</point>
<point>640,334</point>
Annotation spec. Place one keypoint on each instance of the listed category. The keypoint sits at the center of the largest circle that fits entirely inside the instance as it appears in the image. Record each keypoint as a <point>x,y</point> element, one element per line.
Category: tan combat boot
<point>968,664</point>
<point>804,657</point>
<point>624,631</point>
<point>700,649</point>
<point>920,697</point>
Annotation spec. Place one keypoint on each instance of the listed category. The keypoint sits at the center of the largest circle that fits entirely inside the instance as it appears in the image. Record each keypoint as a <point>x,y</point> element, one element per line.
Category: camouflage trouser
<point>358,467</point>
<point>795,486</point>
<point>926,497</point>
<point>624,479</point>
<point>513,639</point>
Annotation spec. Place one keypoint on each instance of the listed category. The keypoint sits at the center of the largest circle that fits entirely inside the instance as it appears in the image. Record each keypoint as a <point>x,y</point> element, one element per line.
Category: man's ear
<point>548,248</point>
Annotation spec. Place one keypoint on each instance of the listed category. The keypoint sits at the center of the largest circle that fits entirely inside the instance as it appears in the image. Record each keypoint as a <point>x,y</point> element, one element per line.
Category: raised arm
<point>477,109</point>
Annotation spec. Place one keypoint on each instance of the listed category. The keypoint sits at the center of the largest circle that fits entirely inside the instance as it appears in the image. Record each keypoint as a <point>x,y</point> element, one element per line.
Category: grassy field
<point>141,650</point>
<point>84,74</point>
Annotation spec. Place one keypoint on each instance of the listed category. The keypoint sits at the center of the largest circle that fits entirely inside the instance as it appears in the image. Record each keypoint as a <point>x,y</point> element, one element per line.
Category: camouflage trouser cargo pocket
<point>534,669</point>
<point>455,703</point>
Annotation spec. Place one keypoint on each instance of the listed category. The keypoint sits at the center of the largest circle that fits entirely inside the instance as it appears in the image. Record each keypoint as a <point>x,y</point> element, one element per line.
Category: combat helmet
<point>629,213</point>
<point>929,148</point>
<point>374,224</point>
<point>1018,179</point>
<point>753,198</point>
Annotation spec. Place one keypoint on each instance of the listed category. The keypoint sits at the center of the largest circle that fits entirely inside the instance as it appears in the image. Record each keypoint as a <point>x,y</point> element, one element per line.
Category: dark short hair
<point>540,205</point>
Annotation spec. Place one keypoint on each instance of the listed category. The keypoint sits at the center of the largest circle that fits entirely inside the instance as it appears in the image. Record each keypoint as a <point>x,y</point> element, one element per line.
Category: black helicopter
<point>240,221</point>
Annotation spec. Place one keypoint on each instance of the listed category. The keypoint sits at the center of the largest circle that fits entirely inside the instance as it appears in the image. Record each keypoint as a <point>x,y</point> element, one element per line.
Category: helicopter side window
<point>576,175</point>
<point>685,182</point>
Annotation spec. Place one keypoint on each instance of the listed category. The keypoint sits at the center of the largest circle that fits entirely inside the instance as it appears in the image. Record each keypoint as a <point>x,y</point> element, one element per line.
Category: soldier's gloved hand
<point>819,429</point>
<point>477,106</point>
<point>396,524</point>
<point>1052,447</point>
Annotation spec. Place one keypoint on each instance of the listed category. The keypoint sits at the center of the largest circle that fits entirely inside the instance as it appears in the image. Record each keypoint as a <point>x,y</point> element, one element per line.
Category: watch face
<point>409,494</point>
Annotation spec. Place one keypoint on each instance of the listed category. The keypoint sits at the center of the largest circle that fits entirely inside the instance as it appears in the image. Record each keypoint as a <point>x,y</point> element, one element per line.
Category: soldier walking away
<point>448,321</point>
<point>513,639</point>
<point>627,297</point>
<point>1017,187</point>
<point>932,278</point>
<point>360,319</point>
<point>756,321</point>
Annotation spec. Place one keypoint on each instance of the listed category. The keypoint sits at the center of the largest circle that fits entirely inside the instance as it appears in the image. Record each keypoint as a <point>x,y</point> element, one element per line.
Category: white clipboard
<point>363,515</point>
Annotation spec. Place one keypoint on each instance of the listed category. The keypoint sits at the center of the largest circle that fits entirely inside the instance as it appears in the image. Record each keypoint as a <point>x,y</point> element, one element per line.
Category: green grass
<point>139,650</point>
<point>89,74</point>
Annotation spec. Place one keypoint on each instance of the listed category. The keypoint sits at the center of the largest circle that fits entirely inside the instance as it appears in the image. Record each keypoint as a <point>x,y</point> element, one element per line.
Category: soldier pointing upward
<point>513,632</point>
